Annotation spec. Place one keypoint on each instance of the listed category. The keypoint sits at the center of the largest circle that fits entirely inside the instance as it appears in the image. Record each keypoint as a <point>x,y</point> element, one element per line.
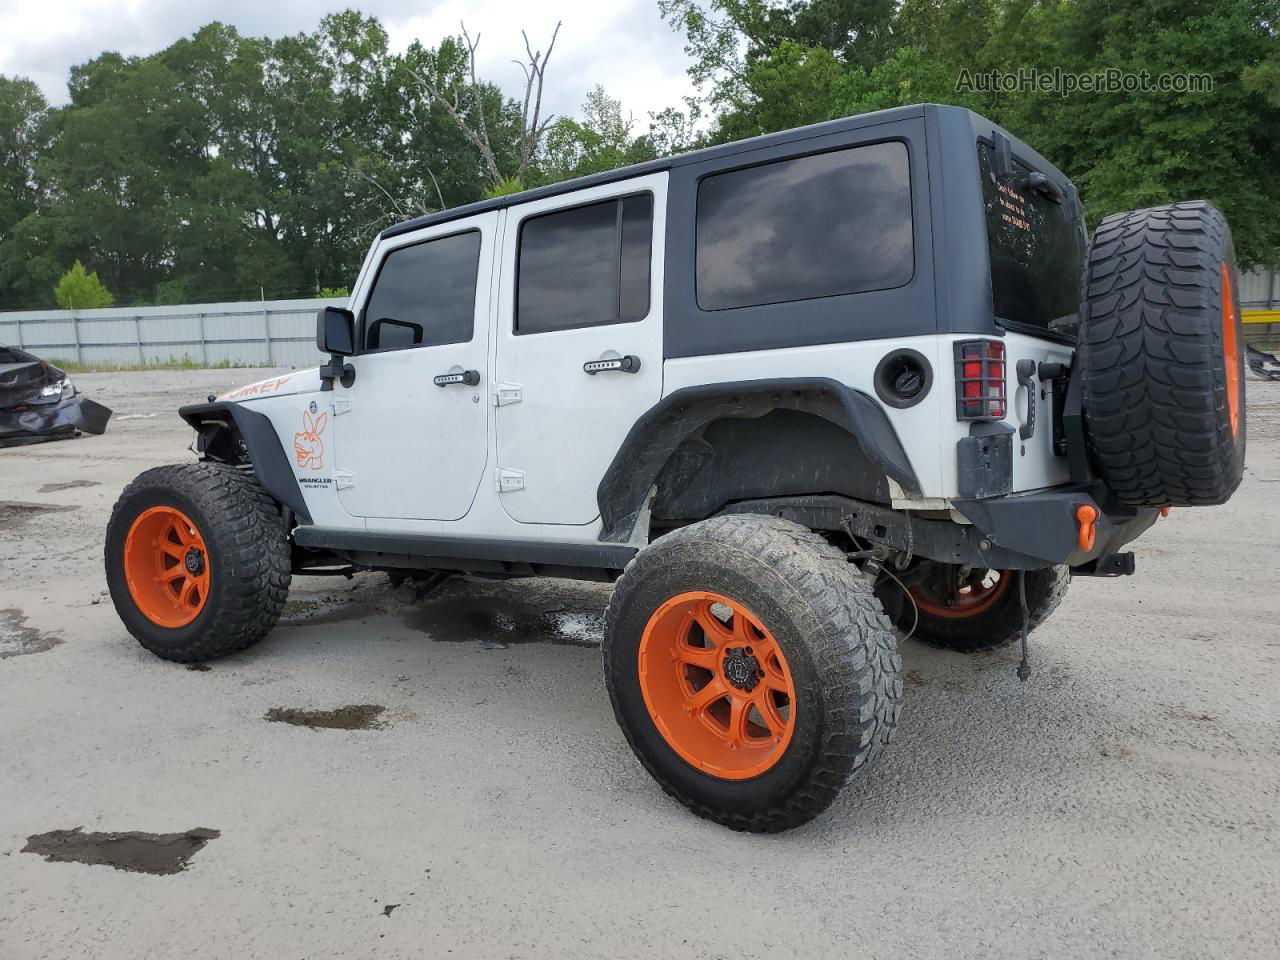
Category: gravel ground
<point>1122,804</point>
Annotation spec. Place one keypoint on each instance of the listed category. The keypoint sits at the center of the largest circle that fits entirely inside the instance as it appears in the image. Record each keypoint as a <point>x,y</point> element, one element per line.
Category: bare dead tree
<point>475,127</point>
<point>415,203</point>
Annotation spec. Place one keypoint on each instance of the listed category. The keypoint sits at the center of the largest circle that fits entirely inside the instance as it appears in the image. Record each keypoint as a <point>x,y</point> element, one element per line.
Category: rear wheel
<point>751,669</point>
<point>197,561</point>
<point>970,608</point>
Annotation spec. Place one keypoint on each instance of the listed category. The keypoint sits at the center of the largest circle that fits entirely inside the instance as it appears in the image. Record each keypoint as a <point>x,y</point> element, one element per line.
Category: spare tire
<point>1161,356</point>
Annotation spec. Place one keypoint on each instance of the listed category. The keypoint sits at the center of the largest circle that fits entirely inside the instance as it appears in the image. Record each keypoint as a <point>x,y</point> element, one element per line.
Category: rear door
<point>579,342</point>
<point>1036,241</point>
<point>410,432</point>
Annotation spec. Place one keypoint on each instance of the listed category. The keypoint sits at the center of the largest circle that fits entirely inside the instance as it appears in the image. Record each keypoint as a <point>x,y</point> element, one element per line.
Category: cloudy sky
<point>622,44</point>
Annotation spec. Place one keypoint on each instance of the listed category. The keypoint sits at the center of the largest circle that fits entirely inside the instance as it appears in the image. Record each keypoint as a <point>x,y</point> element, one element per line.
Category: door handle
<point>1027,378</point>
<point>468,378</point>
<point>627,364</point>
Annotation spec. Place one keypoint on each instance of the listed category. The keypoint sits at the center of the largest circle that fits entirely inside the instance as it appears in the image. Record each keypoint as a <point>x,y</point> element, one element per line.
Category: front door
<point>579,349</point>
<point>410,433</point>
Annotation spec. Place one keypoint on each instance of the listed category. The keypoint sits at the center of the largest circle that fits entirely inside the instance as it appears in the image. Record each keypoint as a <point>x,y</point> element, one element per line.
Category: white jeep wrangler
<point>789,393</point>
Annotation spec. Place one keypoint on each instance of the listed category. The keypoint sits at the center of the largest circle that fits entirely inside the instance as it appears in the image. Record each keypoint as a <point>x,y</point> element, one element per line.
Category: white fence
<point>275,333</point>
<point>1260,290</point>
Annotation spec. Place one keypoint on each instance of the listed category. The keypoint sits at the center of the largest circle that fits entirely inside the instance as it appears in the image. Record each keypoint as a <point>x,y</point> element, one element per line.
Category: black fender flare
<point>270,463</point>
<point>659,431</point>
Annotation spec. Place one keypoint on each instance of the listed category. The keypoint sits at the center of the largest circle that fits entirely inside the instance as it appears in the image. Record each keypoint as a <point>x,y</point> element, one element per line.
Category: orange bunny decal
<point>308,448</point>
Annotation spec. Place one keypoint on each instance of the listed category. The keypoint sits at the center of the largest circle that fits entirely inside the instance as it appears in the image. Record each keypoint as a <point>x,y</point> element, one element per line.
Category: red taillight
<point>980,388</point>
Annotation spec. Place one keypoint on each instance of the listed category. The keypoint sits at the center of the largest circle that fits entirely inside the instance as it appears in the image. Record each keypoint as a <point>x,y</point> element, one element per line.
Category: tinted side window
<point>586,266</point>
<point>817,226</point>
<point>424,295</point>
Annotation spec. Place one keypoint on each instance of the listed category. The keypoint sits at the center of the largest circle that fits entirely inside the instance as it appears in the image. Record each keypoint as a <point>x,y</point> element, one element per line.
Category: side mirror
<point>335,331</point>
<point>336,336</point>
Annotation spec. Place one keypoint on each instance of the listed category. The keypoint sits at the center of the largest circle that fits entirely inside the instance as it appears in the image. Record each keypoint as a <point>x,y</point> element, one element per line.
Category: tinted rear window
<point>1036,248</point>
<point>819,226</point>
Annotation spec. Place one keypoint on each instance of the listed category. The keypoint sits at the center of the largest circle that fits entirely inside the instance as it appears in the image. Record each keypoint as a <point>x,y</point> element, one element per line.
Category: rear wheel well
<point>782,453</point>
<point>765,426</point>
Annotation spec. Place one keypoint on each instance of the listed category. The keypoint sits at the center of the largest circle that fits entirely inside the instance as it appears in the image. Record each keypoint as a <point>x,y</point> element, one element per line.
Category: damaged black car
<point>39,402</point>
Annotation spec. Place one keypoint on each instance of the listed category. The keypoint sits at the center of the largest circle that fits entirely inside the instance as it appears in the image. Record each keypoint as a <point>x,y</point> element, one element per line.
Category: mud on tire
<point>837,645</point>
<point>1162,357</point>
<point>242,540</point>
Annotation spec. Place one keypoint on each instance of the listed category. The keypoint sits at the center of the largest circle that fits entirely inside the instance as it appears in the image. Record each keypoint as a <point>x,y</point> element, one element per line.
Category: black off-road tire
<point>839,647</point>
<point>1000,624</point>
<point>249,559</point>
<point>1159,337</point>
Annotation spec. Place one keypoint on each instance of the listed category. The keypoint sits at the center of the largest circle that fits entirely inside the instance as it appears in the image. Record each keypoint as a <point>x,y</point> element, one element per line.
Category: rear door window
<point>1036,247</point>
<point>585,266</point>
<point>798,229</point>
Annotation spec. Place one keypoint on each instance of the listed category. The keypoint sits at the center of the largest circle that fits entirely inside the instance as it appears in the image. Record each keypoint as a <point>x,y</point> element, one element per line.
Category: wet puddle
<point>158,853</point>
<point>496,621</point>
<point>15,513</point>
<point>362,716</point>
<point>67,485</point>
<point>18,639</point>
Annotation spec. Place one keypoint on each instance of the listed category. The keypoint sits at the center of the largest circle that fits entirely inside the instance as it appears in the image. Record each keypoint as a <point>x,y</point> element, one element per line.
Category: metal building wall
<point>276,333</point>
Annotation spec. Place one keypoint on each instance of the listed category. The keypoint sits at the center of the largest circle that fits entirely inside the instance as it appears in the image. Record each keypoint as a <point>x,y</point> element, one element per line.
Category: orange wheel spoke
<point>713,691</point>
<point>775,681</point>
<point>769,714</point>
<point>705,657</point>
<point>179,530</point>
<point>169,548</point>
<point>744,634</point>
<point>739,708</point>
<point>716,632</point>
<point>173,574</point>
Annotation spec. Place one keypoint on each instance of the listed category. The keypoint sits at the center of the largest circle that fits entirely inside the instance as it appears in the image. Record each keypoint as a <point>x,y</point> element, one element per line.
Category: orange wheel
<point>1230,351</point>
<point>717,685</point>
<point>166,565</point>
<point>977,595</point>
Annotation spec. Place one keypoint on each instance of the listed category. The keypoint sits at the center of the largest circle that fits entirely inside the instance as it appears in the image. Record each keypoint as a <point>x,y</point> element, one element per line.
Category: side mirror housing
<point>336,336</point>
<point>336,331</point>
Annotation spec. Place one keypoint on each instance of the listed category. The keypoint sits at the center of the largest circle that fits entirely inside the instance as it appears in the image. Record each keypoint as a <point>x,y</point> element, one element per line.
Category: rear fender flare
<point>270,464</point>
<point>654,437</point>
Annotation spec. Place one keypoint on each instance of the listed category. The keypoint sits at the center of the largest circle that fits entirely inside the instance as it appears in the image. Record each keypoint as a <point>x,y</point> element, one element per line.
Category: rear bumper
<point>1042,525</point>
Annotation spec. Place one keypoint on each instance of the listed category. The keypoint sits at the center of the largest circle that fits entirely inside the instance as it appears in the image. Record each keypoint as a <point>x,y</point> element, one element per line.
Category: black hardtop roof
<point>657,166</point>
<point>798,134</point>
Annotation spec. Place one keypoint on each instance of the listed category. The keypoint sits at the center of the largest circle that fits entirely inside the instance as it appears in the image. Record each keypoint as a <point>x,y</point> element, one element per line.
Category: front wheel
<point>969,609</point>
<point>197,561</point>
<point>751,669</point>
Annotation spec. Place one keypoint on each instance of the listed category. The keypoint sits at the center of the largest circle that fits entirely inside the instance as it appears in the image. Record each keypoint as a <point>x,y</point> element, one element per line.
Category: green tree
<point>78,290</point>
<point>766,67</point>
<point>600,140</point>
<point>24,134</point>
